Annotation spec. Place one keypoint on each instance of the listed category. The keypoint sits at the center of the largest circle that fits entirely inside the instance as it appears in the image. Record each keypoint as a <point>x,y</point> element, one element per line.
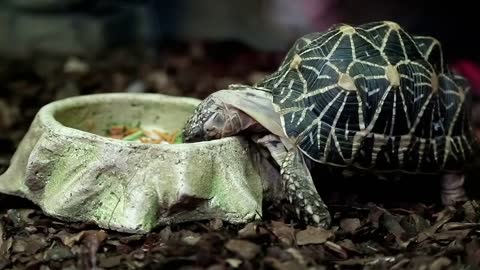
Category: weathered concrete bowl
<point>67,166</point>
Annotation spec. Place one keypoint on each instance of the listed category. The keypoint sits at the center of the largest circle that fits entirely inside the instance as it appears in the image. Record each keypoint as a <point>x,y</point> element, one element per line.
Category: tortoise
<point>368,97</point>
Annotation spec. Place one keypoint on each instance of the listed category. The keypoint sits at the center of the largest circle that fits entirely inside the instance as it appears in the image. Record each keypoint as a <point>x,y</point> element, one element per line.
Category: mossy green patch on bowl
<point>69,167</point>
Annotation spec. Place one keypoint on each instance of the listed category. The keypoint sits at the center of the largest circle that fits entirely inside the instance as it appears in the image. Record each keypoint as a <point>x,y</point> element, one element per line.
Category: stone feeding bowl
<point>67,165</point>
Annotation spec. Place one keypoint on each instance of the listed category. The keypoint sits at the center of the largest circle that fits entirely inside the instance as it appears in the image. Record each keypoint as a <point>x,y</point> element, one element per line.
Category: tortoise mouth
<point>194,139</point>
<point>193,135</point>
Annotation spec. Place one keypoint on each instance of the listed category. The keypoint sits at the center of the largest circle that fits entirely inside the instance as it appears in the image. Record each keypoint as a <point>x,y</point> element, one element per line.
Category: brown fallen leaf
<point>391,224</point>
<point>30,245</point>
<point>58,253</point>
<point>276,264</point>
<point>217,266</point>
<point>371,248</point>
<point>348,245</point>
<point>69,239</point>
<point>26,260</point>
<point>166,233</point>
<point>92,239</point>
<point>190,238</point>
<point>413,224</point>
<point>472,211</point>
<point>2,233</point>
<point>31,229</point>
<point>20,217</point>
<point>297,255</point>
<point>109,261</point>
<point>443,217</point>
<point>338,250</point>
<point>277,252</point>
<point>138,254</point>
<point>245,249</point>
<point>350,225</point>
<point>371,261</point>
<point>313,235</point>
<point>460,226</point>
<point>457,246</point>
<point>131,238</point>
<point>451,235</point>
<point>233,262</point>
<point>19,246</point>
<point>440,263</point>
<point>252,230</point>
<point>6,246</point>
<point>445,214</point>
<point>401,264</point>
<point>123,249</point>
<point>285,233</point>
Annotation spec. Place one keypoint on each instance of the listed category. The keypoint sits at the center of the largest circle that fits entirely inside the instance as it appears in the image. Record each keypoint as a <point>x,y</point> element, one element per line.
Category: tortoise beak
<point>193,135</point>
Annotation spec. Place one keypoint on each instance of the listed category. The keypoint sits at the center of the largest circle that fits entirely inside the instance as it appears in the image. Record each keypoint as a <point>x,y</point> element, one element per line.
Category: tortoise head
<point>210,120</point>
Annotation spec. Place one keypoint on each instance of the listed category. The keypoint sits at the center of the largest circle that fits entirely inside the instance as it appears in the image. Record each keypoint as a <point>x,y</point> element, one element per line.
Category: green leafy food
<point>134,136</point>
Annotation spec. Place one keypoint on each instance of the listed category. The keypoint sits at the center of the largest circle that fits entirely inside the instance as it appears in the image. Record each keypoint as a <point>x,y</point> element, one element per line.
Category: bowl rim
<point>51,124</point>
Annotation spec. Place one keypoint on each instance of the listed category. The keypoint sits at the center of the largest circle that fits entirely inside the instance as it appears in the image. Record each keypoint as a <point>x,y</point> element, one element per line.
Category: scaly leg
<point>452,189</point>
<point>301,192</point>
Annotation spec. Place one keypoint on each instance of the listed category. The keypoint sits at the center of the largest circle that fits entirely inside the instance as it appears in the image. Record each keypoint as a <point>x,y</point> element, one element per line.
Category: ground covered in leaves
<point>376,225</point>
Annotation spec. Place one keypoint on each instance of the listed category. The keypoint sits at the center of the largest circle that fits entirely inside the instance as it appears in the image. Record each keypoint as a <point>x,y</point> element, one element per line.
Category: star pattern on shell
<point>373,97</point>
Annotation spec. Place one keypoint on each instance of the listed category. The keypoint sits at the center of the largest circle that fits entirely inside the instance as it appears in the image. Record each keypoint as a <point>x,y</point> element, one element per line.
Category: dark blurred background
<point>52,49</point>
<point>85,27</point>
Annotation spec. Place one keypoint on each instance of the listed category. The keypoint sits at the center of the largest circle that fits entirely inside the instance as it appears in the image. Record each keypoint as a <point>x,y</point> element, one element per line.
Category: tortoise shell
<point>373,97</point>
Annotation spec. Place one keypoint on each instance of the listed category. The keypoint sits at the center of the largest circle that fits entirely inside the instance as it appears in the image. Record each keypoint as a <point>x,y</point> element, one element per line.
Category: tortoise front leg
<point>301,192</point>
<point>452,189</point>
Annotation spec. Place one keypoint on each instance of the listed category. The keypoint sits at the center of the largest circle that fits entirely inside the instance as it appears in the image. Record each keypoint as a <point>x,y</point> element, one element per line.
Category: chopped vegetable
<point>126,133</point>
<point>135,136</point>
<point>178,138</point>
